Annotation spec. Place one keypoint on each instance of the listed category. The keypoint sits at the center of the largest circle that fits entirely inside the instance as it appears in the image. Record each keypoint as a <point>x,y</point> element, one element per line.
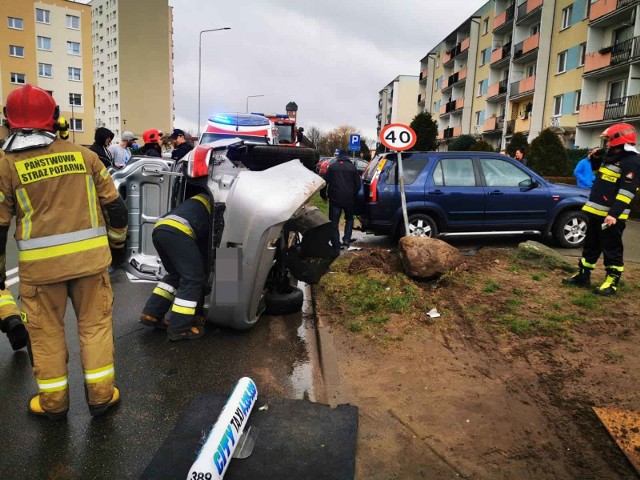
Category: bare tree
<point>314,134</point>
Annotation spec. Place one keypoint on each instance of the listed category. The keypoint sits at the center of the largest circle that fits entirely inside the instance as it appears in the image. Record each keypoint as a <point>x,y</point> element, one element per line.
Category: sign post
<point>354,143</point>
<point>399,137</point>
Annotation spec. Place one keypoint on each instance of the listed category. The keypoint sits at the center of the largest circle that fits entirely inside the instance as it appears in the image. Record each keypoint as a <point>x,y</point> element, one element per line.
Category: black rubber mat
<point>297,439</point>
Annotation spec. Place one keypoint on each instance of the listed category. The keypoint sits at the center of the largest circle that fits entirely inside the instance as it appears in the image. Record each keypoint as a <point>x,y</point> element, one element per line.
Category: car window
<point>371,169</point>
<point>454,172</point>
<point>501,173</point>
<point>412,166</point>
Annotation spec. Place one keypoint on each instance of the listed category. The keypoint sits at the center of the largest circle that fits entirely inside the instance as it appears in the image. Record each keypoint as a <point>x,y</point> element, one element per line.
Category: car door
<point>454,190</point>
<point>513,197</point>
<point>146,185</point>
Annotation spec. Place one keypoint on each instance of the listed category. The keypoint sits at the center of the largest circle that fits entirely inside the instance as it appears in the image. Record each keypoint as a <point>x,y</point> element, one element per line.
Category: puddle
<point>302,376</point>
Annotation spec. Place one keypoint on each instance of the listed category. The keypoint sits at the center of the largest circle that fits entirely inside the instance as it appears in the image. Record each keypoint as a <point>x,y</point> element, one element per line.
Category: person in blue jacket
<point>584,171</point>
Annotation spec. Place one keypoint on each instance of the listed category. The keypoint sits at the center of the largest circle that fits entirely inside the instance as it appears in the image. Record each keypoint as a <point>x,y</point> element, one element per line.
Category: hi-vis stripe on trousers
<point>44,308</point>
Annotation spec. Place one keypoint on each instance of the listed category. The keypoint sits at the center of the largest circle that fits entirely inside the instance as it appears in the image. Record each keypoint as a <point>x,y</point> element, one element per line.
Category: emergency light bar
<point>239,119</point>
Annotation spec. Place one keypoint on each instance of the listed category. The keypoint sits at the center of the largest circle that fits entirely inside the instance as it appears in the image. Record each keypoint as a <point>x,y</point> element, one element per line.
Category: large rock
<point>546,255</point>
<point>424,257</point>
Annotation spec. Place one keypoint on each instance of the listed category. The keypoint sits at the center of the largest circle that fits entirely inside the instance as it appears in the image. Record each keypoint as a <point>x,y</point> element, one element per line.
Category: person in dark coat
<point>102,140</point>
<point>152,140</point>
<point>343,185</point>
<point>181,146</point>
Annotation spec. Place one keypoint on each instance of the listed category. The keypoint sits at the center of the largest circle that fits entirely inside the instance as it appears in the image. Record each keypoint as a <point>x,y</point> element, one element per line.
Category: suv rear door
<point>145,184</point>
<point>511,200</point>
<point>454,190</point>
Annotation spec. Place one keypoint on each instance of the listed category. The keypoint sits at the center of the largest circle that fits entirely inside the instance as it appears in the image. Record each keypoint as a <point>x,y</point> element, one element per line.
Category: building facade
<point>48,43</point>
<point>568,65</point>
<point>133,65</point>
<point>397,101</point>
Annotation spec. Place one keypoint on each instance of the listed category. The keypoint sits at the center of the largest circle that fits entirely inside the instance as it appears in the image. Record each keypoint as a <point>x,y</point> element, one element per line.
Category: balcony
<point>501,55</point>
<point>452,132</point>
<point>452,106</point>
<point>527,9</point>
<point>523,50</point>
<point>601,8</point>
<point>459,76</point>
<point>522,124</point>
<point>460,48</point>
<point>440,134</point>
<point>423,75</point>
<point>613,55</point>
<point>502,22</point>
<point>614,109</point>
<point>493,124</point>
<point>523,87</point>
<point>497,89</point>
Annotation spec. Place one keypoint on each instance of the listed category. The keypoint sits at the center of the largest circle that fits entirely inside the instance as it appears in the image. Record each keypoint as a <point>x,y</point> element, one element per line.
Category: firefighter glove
<point>16,332</point>
<point>117,256</point>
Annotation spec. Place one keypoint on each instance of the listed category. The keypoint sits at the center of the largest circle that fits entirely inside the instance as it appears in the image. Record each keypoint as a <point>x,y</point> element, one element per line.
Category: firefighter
<point>10,321</point>
<point>608,209</point>
<point>181,238</point>
<point>68,216</point>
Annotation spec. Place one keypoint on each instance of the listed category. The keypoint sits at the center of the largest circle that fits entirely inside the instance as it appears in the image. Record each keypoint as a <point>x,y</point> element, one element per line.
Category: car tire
<point>267,156</point>
<point>570,229</point>
<point>420,225</point>
<point>277,303</point>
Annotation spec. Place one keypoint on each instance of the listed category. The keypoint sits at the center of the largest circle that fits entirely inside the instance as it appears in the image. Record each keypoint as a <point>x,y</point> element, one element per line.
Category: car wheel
<point>421,225</point>
<point>570,229</point>
<point>277,303</point>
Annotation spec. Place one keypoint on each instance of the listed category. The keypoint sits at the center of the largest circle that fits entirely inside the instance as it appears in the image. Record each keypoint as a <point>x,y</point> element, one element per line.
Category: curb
<point>334,392</point>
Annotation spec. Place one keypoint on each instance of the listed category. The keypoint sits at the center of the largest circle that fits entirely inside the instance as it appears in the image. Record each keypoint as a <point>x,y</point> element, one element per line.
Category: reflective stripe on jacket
<point>192,217</point>
<point>57,194</point>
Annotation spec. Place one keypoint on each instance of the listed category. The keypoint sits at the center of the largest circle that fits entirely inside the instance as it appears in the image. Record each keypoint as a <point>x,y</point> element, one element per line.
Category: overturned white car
<point>263,238</point>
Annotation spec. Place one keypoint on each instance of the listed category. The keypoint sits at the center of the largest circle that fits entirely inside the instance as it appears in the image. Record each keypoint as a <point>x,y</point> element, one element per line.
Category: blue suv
<point>461,193</point>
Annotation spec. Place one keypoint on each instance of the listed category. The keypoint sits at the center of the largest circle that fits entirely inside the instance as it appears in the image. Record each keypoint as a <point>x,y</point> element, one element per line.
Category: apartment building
<point>133,64</point>
<point>611,80</point>
<point>397,101</point>
<point>48,43</point>
<point>567,65</point>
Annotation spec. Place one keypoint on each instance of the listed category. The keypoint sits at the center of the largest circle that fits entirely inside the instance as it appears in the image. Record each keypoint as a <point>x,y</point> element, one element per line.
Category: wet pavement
<point>158,380</point>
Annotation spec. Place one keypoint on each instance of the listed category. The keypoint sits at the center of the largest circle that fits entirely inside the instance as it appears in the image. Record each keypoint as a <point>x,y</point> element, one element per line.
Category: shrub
<point>481,146</point>
<point>462,144</point>
<point>518,142</point>
<point>427,132</point>
<point>576,154</point>
<point>547,155</point>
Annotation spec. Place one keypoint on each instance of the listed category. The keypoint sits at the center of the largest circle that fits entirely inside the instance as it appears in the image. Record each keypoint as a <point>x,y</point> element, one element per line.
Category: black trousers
<point>607,242</point>
<point>181,288</point>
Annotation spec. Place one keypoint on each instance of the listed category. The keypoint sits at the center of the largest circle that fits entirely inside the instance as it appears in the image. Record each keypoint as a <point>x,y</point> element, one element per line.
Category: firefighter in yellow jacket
<point>68,217</point>
<point>10,322</point>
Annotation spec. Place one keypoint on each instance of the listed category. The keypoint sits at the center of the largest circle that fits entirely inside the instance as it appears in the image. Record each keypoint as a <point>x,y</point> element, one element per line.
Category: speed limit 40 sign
<point>398,137</point>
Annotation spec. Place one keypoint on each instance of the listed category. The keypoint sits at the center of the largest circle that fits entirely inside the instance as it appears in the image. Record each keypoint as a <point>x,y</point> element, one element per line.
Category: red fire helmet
<point>31,107</point>
<point>619,134</point>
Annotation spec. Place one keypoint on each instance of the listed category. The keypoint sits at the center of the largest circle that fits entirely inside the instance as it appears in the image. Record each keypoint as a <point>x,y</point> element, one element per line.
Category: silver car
<point>264,238</point>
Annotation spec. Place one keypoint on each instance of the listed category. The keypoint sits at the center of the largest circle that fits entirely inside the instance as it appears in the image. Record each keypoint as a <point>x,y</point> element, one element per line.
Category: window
<point>18,78</point>
<point>566,17</point>
<point>485,26</point>
<point>478,118</point>
<point>412,166</point>
<point>616,91</point>
<point>557,106</point>
<point>578,95</point>
<point>75,99</point>
<point>44,43</point>
<point>73,22</point>
<point>562,62</point>
<point>582,54</point>
<point>15,23</point>
<point>16,51</point>
<point>535,29</point>
<point>454,172</point>
<point>45,70</point>
<point>75,74</point>
<point>73,48</point>
<point>480,88</point>
<point>43,16</point>
<point>530,70</point>
<point>75,124</point>
<point>501,173</point>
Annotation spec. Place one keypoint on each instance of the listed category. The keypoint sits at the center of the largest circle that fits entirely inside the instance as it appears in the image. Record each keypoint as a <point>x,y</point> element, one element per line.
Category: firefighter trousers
<point>181,288</point>
<point>43,309</point>
<point>607,242</point>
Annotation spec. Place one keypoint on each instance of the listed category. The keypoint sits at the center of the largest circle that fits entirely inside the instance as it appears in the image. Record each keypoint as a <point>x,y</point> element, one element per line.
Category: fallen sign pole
<point>213,458</point>
<point>399,137</point>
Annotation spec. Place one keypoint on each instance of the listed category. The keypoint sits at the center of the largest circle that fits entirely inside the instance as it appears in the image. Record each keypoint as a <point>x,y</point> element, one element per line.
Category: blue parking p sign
<point>354,143</point>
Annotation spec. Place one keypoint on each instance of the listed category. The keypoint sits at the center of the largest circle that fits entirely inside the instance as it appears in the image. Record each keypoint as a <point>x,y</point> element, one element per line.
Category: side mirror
<point>529,184</point>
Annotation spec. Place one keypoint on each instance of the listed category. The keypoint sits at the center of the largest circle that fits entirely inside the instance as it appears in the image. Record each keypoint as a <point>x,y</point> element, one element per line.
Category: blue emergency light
<point>239,119</point>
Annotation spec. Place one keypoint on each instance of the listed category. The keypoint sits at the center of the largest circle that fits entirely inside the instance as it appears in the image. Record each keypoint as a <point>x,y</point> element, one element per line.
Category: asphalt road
<point>158,380</point>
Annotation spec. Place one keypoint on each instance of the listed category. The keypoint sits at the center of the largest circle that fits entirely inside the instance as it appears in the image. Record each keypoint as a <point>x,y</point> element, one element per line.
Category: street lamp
<point>251,96</point>
<point>200,67</point>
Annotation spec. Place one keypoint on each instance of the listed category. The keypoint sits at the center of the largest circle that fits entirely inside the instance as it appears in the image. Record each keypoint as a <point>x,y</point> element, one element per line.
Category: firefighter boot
<point>583,277</point>
<point>96,410</point>
<point>610,284</point>
<point>150,321</point>
<point>36,409</point>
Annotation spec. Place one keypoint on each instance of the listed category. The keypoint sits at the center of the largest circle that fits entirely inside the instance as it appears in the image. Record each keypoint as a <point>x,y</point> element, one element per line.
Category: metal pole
<point>403,198</point>
<point>73,121</point>
<point>200,68</point>
<point>248,97</point>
